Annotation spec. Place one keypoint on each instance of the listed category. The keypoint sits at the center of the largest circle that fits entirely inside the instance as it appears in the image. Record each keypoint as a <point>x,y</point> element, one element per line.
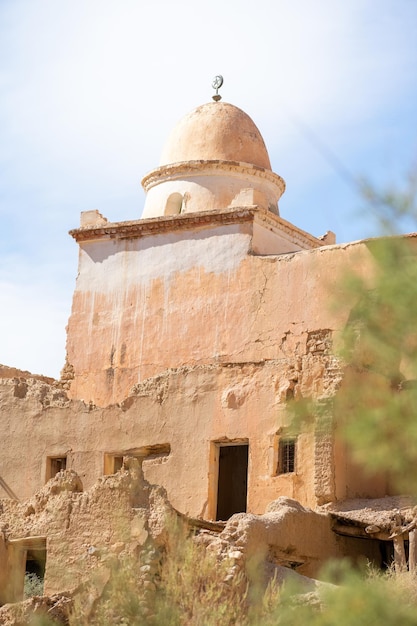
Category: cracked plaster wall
<point>144,305</point>
<point>122,516</point>
<point>219,351</point>
<point>190,409</point>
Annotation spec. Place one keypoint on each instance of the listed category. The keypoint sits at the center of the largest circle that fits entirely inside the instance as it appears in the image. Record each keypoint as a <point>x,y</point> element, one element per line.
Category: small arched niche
<point>173,204</point>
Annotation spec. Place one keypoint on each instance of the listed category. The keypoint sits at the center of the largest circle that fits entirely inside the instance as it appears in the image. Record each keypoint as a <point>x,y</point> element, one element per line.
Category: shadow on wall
<point>99,251</point>
<point>8,490</point>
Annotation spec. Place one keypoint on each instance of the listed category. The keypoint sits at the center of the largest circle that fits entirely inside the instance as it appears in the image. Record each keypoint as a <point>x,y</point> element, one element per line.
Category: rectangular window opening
<point>117,464</point>
<point>113,463</point>
<point>55,464</point>
<point>153,454</point>
<point>286,455</point>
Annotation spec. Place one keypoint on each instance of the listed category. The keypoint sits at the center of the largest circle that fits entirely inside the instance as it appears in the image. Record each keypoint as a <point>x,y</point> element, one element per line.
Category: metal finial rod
<point>216,84</point>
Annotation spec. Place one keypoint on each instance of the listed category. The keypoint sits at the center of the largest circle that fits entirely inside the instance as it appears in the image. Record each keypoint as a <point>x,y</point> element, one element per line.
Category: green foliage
<point>356,602</point>
<point>376,405</point>
<point>374,410</point>
<point>33,585</point>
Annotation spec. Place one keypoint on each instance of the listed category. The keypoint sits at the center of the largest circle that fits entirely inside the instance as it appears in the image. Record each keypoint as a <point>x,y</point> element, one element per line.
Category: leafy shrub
<point>33,585</point>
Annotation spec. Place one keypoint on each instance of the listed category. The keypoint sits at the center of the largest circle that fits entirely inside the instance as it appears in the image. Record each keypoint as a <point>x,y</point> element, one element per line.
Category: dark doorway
<point>233,481</point>
<point>386,549</point>
<point>34,571</point>
<point>35,562</point>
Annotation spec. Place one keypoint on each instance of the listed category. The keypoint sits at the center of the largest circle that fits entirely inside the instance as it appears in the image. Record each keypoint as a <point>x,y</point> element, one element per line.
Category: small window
<point>113,463</point>
<point>55,464</point>
<point>174,204</point>
<point>118,464</point>
<point>286,456</point>
<point>153,454</point>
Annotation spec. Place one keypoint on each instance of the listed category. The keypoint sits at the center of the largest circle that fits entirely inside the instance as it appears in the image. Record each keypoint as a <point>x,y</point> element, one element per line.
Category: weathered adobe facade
<point>191,331</point>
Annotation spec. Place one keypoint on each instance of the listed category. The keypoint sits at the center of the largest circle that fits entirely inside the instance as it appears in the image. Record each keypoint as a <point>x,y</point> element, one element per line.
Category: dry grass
<point>187,585</point>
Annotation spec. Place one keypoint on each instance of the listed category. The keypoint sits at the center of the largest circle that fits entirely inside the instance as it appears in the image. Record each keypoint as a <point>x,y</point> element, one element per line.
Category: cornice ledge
<point>291,232</point>
<point>155,225</point>
<point>174,171</point>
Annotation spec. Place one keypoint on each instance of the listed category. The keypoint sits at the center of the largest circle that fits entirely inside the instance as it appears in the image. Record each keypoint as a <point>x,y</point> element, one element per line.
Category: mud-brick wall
<point>144,305</point>
<point>83,530</point>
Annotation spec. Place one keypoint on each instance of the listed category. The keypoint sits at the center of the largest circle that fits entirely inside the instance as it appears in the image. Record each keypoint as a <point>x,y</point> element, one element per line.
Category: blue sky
<point>90,89</point>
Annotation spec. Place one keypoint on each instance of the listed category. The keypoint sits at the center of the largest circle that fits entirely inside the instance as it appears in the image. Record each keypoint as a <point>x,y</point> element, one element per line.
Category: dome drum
<point>210,185</point>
